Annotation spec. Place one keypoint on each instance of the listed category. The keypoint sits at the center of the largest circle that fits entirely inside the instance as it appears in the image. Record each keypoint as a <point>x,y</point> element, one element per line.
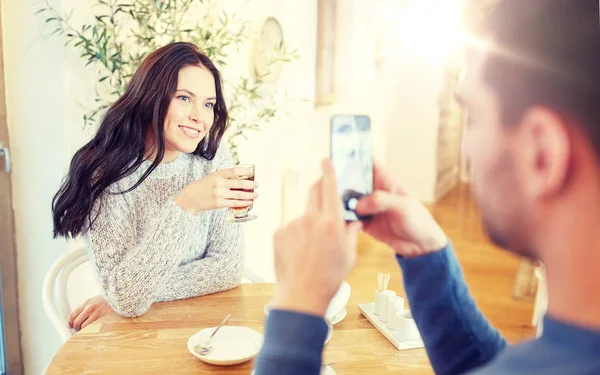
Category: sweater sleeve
<point>457,337</point>
<point>220,269</point>
<point>132,269</point>
<point>222,266</point>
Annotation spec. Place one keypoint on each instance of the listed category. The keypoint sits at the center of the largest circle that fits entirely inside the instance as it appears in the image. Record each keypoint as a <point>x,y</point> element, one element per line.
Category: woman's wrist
<point>185,204</point>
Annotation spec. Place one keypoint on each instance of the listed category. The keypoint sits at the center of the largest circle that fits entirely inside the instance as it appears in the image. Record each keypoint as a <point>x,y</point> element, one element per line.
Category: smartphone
<point>352,158</point>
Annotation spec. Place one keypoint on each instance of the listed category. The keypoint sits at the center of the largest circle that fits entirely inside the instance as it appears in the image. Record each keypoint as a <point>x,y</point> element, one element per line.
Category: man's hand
<point>315,253</point>
<point>399,219</point>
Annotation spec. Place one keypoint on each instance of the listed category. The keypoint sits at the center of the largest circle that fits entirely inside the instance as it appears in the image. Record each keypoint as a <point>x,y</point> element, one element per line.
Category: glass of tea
<point>242,214</point>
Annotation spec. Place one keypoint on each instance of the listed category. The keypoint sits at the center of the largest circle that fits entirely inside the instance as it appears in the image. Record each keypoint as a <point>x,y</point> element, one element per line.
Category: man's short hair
<point>547,53</point>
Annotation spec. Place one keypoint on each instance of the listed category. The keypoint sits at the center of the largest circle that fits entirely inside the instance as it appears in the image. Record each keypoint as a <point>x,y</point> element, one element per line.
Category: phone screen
<point>352,157</point>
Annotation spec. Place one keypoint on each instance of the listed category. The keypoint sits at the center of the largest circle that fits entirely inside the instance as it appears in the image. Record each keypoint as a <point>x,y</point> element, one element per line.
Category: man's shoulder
<point>538,357</point>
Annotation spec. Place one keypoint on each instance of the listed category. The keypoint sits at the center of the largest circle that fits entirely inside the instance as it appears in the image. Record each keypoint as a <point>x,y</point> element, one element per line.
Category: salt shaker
<point>389,298</point>
<point>394,306</point>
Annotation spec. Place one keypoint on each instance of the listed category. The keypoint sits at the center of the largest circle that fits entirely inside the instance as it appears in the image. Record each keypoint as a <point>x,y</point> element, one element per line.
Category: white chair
<point>251,277</point>
<point>54,290</point>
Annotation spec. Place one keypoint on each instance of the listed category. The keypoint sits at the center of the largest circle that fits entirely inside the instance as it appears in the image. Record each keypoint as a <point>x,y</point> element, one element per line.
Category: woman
<point>147,191</point>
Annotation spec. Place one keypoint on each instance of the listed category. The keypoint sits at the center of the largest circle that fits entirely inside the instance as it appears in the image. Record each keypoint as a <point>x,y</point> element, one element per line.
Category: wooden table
<point>155,343</point>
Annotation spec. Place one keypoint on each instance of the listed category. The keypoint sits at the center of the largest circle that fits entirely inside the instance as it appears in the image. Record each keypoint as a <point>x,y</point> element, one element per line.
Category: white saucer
<point>336,319</point>
<point>231,345</point>
<point>339,317</point>
<point>327,370</point>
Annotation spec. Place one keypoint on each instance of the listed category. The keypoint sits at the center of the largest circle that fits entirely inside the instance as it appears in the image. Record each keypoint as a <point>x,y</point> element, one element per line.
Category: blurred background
<point>287,65</point>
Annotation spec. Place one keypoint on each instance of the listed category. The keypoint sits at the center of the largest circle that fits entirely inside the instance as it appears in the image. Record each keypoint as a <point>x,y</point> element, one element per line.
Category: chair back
<point>54,290</point>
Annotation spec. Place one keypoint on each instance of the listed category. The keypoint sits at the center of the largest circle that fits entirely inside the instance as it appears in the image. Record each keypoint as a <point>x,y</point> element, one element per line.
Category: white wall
<point>37,127</point>
<point>411,121</point>
<point>410,79</point>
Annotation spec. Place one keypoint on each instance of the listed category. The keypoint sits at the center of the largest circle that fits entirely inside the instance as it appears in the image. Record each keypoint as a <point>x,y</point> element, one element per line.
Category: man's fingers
<point>353,229</point>
<point>332,204</point>
<point>314,198</point>
<point>380,179</point>
<point>383,181</point>
<point>377,203</point>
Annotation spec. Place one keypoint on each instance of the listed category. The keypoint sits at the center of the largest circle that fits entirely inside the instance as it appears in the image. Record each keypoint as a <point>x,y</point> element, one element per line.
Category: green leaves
<point>123,32</point>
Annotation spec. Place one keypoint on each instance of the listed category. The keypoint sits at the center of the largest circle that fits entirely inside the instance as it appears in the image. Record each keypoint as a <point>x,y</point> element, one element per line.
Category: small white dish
<point>407,329</point>
<point>339,317</point>
<point>231,345</point>
<point>326,370</point>
<point>335,320</point>
<point>329,332</point>
<point>339,300</point>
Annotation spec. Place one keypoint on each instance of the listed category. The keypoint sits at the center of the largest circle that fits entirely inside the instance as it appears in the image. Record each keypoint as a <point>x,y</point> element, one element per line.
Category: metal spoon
<point>207,347</point>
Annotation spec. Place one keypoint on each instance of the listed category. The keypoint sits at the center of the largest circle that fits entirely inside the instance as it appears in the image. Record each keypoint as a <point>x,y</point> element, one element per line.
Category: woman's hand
<point>220,189</point>
<point>90,311</point>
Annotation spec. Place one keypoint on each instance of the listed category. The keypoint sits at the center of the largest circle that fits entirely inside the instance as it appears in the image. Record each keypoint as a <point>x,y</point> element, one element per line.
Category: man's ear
<point>545,150</point>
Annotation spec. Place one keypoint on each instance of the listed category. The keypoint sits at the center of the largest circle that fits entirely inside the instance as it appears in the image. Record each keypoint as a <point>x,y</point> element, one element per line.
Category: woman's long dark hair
<point>118,147</point>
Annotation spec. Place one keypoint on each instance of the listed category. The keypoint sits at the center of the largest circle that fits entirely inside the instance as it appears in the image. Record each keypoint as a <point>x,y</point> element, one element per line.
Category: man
<point>533,98</point>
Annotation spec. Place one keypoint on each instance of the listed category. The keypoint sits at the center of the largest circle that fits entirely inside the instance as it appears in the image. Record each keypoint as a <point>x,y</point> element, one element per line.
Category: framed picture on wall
<point>326,37</point>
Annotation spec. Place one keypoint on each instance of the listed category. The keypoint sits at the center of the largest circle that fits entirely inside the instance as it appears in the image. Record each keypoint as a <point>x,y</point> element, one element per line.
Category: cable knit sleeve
<point>132,268</point>
<point>221,268</point>
<point>223,264</point>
